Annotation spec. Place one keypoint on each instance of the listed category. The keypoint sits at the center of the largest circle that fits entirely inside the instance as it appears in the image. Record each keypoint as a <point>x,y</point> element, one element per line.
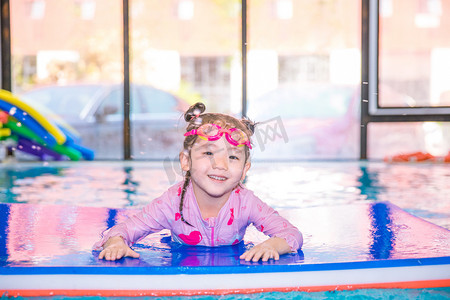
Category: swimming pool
<point>421,189</point>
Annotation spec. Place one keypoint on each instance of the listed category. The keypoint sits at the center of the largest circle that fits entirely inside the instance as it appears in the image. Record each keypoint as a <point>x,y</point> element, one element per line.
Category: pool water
<point>420,189</point>
<point>368,294</point>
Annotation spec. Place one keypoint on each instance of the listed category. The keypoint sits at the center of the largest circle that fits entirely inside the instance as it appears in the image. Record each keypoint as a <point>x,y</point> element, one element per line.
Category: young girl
<point>211,207</point>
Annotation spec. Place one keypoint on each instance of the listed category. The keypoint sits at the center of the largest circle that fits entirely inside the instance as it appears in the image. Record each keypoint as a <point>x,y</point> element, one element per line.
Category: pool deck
<point>46,250</point>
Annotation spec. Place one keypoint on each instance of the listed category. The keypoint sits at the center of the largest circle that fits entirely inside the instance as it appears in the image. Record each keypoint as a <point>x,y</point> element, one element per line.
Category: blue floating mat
<point>46,250</point>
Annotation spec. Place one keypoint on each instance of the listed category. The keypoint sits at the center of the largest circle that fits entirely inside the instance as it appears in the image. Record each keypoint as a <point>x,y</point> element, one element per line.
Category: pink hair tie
<point>195,117</point>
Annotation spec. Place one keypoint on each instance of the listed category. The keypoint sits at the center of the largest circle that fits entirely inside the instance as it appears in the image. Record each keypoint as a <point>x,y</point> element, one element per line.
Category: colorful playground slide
<point>32,133</point>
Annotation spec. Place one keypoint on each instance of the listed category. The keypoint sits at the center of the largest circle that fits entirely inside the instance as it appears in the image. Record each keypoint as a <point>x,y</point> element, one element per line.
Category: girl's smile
<point>219,178</point>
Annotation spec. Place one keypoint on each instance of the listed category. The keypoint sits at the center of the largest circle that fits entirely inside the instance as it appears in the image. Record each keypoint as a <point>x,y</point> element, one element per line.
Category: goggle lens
<point>238,136</point>
<point>208,130</point>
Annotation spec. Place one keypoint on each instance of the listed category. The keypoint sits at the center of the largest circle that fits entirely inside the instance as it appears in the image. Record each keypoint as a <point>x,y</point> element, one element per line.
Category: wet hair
<point>195,117</point>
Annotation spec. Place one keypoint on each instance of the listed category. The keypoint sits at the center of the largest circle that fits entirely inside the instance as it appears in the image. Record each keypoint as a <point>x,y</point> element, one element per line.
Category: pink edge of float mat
<point>46,250</point>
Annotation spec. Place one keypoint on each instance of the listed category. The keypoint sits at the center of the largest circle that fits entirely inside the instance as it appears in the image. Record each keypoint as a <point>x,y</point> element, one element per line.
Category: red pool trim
<point>165,293</point>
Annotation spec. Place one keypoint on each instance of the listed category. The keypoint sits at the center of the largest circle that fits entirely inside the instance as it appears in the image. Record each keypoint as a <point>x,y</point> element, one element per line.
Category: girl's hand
<point>116,248</point>
<point>270,249</point>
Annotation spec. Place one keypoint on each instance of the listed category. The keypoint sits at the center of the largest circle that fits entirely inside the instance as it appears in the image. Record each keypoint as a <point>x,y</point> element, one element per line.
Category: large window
<point>388,139</point>
<point>190,49</point>
<point>414,68</point>
<point>68,55</point>
<point>303,78</point>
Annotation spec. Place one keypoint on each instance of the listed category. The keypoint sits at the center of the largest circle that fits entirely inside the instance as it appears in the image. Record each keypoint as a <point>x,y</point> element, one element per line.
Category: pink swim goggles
<point>213,132</point>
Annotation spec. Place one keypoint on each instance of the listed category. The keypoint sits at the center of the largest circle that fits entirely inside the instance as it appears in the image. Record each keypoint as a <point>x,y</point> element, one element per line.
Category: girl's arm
<point>152,218</point>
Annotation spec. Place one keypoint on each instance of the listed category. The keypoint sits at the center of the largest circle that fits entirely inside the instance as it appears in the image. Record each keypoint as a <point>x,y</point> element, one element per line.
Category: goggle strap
<point>218,135</point>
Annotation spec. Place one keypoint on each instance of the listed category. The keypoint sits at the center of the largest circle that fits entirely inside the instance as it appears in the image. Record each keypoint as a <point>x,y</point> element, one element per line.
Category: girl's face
<point>216,167</point>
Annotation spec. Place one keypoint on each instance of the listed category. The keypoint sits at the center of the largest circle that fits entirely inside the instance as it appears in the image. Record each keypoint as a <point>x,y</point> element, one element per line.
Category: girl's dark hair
<point>183,192</point>
<point>195,117</point>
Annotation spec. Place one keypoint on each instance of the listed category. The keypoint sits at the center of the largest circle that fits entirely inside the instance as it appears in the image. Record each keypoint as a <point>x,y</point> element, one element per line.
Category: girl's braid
<point>183,192</point>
